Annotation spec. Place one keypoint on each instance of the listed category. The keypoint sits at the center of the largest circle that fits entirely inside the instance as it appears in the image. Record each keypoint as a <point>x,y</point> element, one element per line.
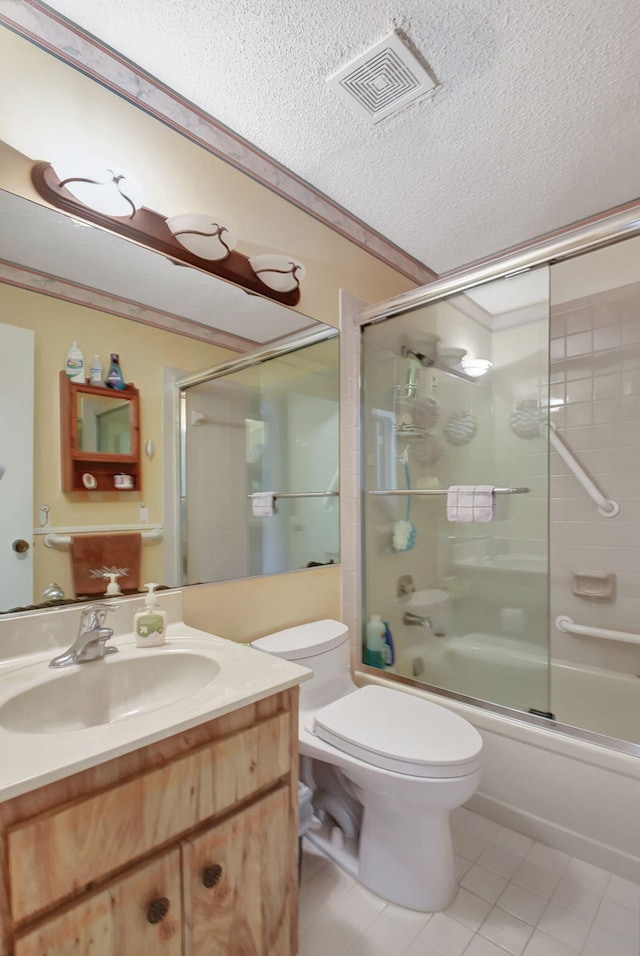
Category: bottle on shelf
<point>74,364</point>
<point>96,371</point>
<point>115,378</point>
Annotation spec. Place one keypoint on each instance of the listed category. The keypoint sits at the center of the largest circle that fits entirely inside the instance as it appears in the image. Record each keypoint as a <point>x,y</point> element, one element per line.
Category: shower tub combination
<point>469,602</point>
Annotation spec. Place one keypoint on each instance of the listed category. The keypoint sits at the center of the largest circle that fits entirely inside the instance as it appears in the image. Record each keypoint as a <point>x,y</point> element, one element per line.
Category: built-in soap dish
<point>594,584</point>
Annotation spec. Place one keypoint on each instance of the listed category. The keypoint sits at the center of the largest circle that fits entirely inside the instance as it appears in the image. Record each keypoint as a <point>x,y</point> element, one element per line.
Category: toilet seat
<point>400,732</point>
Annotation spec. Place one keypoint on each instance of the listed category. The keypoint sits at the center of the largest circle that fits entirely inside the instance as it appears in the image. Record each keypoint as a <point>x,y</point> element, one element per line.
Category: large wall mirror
<point>46,259</point>
<point>64,280</point>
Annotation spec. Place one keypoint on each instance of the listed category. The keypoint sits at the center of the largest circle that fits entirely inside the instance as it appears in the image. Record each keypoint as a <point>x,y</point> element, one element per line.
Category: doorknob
<point>20,545</point>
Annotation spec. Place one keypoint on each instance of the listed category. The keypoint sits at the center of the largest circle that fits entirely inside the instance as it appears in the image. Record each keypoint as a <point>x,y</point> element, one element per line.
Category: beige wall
<point>244,610</point>
<point>53,108</point>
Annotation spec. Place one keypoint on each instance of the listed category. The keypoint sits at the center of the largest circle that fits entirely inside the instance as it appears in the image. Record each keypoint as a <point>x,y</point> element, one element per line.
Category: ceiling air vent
<point>383,80</point>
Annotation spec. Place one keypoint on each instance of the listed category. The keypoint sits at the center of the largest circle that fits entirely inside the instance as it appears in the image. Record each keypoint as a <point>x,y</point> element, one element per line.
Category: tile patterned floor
<point>516,898</point>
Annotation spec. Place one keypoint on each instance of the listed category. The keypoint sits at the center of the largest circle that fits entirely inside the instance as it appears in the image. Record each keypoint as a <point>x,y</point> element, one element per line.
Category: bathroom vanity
<point>184,845</point>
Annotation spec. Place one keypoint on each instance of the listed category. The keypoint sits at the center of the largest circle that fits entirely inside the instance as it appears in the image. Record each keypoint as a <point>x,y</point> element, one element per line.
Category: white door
<point>16,466</point>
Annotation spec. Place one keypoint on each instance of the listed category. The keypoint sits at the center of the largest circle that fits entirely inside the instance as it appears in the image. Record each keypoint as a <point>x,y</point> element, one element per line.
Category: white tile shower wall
<point>595,372</point>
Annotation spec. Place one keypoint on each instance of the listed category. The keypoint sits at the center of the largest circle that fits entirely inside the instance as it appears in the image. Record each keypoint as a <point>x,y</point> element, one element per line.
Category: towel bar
<point>444,491</point>
<point>304,494</point>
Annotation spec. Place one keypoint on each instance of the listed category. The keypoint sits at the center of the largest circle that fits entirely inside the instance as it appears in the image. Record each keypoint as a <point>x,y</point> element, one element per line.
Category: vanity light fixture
<point>103,194</point>
<point>203,235</point>
<point>100,185</point>
<point>475,367</point>
<point>281,273</point>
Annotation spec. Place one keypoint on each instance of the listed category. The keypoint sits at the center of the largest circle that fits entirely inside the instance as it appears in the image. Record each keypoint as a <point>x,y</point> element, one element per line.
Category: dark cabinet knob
<point>157,909</point>
<point>20,545</point>
<point>211,875</point>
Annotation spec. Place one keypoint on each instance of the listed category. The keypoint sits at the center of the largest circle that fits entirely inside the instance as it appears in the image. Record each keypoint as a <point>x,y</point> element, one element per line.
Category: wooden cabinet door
<point>240,883</point>
<point>82,930</point>
<point>147,909</point>
<point>140,913</point>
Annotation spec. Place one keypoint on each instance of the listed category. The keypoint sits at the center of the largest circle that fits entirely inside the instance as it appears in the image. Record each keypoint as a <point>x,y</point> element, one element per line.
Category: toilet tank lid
<point>304,640</point>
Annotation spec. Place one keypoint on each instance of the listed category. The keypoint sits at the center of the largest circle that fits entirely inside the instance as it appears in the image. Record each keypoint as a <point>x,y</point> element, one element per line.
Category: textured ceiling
<point>536,124</point>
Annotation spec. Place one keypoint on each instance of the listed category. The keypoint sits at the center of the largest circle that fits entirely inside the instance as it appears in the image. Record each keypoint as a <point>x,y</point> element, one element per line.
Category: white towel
<point>470,503</point>
<point>263,504</point>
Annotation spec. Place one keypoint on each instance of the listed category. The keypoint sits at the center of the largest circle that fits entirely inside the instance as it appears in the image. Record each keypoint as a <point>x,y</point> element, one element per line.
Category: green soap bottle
<point>150,625</point>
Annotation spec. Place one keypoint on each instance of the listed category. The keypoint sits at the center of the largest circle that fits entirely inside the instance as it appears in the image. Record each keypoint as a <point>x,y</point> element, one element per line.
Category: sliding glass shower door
<point>456,396</point>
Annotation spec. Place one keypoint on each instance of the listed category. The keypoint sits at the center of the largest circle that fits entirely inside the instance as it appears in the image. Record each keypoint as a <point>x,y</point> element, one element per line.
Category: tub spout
<point>416,620</point>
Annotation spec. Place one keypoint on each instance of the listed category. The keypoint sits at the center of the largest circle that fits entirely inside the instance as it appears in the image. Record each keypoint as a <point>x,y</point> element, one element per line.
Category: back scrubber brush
<point>404,531</point>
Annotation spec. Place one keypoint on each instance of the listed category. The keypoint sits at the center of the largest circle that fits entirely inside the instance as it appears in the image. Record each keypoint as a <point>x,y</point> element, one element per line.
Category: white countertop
<point>33,759</point>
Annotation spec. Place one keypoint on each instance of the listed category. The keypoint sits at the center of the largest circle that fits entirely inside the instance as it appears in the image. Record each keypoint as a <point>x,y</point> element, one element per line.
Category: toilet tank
<point>322,646</point>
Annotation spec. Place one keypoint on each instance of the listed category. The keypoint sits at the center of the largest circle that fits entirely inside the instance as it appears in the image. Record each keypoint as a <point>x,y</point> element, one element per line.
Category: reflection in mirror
<point>269,428</point>
<point>104,425</point>
<point>60,282</point>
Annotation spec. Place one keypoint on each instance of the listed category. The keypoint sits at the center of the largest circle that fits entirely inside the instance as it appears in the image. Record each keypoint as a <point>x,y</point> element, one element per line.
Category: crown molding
<point>33,280</point>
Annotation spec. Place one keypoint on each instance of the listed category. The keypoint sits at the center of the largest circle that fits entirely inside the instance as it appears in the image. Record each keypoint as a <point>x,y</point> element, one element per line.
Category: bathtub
<point>579,795</point>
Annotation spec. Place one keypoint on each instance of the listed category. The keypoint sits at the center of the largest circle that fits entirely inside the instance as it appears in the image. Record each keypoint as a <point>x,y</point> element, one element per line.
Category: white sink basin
<point>106,691</point>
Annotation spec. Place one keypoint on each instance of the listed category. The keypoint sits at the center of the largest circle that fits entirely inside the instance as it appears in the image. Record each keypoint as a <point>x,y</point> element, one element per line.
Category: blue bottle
<point>115,378</point>
<point>388,649</point>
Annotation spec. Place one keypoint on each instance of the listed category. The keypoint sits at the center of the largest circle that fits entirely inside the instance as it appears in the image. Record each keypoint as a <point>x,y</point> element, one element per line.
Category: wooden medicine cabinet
<point>100,432</point>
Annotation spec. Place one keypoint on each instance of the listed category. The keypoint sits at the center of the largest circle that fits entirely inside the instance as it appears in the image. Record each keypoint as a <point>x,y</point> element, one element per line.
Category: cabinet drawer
<point>60,853</point>
<point>139,913</point>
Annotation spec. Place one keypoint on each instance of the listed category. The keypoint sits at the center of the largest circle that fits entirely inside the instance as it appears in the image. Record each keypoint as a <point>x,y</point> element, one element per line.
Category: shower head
<point>425,360</point>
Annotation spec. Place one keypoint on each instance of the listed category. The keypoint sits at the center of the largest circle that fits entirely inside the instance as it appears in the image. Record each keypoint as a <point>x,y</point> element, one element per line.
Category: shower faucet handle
<point>405,585</point>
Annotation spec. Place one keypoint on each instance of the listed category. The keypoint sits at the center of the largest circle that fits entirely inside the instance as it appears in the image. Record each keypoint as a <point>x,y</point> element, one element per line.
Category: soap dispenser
<point>150,624</point>
<point>113,588</point>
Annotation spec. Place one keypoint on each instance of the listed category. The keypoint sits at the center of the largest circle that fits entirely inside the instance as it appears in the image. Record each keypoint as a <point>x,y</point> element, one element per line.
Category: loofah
<point>526,418</point>
<point>460,427</point>
<point>404,536</point>
<point>426,412</point>
<point>426,450</point>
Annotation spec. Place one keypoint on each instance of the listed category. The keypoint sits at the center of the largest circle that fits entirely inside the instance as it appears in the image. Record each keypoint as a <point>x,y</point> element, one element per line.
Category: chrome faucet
<point>90,644</point>
<point>416,619</point>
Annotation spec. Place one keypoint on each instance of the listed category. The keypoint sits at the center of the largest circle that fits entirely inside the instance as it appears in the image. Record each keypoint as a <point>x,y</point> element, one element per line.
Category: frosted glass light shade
<point>475,367</point>
<point>205,236</point>
<point>103,186</point>
<point>281,273</point>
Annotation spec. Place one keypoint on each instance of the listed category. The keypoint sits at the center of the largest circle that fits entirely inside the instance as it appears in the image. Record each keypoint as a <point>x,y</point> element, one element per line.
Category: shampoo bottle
<point>150,624</point>
<point>74,364</point>
<point>374,645</point>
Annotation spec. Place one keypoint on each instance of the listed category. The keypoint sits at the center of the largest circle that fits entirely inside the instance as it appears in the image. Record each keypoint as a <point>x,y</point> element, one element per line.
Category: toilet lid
<point>304,640</point>
<point>400,732</point>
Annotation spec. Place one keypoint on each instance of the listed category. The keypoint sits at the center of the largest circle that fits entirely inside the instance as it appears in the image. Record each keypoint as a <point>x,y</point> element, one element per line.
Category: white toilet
<point>386,769</point>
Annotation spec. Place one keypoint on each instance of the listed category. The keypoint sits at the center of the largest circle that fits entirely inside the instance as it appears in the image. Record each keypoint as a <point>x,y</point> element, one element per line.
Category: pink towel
<point>470,503</point>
